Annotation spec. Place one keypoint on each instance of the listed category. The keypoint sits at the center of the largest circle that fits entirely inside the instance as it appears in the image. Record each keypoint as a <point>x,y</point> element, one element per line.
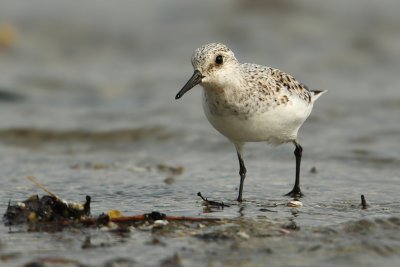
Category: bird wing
<point>276,82</point>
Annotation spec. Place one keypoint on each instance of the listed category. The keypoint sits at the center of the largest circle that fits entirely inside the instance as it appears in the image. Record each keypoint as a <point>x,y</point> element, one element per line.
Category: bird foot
<point>295,193</point>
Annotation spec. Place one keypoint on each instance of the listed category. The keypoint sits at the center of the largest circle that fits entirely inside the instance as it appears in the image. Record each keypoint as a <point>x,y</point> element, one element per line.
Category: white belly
<point>277,125</point>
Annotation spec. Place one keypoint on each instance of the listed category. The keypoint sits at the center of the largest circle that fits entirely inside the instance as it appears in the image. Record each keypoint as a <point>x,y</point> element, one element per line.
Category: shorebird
<point>250,103</point>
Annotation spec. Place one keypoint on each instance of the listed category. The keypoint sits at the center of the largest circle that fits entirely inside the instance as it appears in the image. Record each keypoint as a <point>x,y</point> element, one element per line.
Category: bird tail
<point>316,94</point>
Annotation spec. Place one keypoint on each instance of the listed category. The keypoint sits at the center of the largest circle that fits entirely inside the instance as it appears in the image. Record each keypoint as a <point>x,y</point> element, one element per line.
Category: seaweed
<point>45,209</point>
<point>50,210</point>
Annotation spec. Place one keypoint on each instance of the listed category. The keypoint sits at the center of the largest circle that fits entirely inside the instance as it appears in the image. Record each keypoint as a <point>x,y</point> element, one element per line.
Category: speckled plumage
<point>248,102</point>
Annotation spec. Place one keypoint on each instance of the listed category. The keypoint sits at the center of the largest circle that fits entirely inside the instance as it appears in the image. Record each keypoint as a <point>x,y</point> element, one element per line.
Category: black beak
<point>193,81</point>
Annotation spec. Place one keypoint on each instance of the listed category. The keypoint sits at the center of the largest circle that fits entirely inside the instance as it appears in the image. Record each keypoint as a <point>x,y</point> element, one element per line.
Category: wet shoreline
<point>87,107</point>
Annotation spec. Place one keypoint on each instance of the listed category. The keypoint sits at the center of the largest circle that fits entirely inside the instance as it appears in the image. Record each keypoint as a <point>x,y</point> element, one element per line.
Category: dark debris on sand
<point>212,203</point>
<point>47,208</point>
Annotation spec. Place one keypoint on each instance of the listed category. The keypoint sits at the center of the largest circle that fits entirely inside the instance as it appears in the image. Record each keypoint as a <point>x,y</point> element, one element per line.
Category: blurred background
<point>87,102</point>
<point>73,66</point>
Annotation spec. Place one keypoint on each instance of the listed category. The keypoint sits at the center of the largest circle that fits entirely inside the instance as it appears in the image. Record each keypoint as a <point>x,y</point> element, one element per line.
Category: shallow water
<point>87,107</point>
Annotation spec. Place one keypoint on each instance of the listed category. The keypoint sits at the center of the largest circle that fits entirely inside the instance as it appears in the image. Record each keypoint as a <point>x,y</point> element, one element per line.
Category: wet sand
<point>87,107</point>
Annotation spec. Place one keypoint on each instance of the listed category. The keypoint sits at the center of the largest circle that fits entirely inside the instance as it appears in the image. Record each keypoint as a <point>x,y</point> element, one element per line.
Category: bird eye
<point>219,60</point>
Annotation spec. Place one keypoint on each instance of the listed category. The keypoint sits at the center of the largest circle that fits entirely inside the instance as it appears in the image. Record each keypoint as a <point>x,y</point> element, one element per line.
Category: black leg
<point>296,192</point>
<point>242,172</point>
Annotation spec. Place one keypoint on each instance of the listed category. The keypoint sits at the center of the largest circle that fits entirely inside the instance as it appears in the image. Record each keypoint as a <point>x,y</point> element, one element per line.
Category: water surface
<point>87,107</point>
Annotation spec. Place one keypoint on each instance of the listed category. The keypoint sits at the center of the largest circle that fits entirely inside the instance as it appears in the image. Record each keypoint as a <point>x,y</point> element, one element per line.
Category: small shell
<point>294,204</point>
<point>160,223</point>
<point>243,235</point>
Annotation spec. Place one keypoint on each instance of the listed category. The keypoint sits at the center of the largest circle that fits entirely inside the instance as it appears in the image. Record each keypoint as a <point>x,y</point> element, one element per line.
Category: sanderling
<point>250,103</point>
